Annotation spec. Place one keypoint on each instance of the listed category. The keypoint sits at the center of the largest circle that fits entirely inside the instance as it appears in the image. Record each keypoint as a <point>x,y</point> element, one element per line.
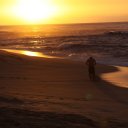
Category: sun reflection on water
<point>118,78</point>
<point>29,53</point>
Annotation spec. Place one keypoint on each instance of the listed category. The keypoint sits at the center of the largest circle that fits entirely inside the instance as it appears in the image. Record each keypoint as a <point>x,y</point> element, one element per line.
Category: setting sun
<point>34,11</point>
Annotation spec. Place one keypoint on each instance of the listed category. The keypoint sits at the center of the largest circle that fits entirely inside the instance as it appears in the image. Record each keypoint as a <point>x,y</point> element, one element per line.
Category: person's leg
<point>93,75</point>
<point>90,76</point>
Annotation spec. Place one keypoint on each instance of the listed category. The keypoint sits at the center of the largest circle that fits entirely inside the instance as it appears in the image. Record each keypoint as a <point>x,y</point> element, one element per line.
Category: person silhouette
<point>91,62</point>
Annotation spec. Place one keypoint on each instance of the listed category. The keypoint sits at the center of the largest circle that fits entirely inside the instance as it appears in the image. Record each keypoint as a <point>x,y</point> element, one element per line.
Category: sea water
<point>106,42</point>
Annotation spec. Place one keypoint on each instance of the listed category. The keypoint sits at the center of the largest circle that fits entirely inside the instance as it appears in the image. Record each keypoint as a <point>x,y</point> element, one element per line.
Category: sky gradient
<point>62,11</point>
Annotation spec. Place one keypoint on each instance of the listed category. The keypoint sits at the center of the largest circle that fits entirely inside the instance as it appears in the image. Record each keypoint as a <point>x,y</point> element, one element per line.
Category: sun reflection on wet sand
<point>119,78</point>
<point>29,53</point>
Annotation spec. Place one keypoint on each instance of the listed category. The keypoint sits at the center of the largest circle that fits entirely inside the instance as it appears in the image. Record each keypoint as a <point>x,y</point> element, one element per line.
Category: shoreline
<point>40,54</point>
<point>109,77</point>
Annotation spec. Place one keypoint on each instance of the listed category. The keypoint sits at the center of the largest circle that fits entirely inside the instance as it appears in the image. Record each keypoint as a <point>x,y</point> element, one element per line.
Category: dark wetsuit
<point>91,68</point>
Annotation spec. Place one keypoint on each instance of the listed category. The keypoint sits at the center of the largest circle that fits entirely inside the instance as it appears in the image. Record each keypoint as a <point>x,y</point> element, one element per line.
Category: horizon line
<point>107,22</point>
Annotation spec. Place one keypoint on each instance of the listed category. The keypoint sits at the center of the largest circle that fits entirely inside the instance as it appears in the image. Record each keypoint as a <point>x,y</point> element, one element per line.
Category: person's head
<point>90,57</point>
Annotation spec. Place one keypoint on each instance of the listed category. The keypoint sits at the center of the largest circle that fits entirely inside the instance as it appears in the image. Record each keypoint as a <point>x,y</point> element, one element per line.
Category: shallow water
<point>119,78</point>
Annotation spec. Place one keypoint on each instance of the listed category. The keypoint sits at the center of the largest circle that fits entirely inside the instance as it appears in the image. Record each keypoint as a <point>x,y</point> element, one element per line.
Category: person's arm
<point>87,62</point>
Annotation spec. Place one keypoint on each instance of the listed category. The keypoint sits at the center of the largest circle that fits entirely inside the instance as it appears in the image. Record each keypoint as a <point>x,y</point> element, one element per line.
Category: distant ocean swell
<point>110,47</point>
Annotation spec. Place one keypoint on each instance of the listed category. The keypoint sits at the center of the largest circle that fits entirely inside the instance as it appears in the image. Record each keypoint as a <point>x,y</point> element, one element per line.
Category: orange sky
<point>13,12</point>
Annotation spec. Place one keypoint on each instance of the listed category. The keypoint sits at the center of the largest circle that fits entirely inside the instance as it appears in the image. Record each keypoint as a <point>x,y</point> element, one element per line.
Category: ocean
<point>106,42</point>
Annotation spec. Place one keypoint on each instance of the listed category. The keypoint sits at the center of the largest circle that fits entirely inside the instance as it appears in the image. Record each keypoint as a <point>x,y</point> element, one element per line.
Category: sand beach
<point>46,92</point>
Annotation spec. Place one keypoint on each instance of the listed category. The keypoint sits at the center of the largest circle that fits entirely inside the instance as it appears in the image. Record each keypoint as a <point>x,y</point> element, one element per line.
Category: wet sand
<point>52,92</point>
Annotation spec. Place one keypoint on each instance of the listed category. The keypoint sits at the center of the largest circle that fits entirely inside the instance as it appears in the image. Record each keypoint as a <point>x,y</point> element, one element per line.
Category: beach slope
<point>42,92</point>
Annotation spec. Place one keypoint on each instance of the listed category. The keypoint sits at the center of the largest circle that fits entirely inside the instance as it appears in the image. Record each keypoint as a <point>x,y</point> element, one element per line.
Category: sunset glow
<point>14,12</point>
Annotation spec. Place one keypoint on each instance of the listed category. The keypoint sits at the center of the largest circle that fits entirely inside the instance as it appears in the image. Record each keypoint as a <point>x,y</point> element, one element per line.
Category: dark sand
<point>38,92</point>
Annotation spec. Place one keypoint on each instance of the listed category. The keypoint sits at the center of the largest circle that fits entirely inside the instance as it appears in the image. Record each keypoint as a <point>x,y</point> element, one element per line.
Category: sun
<point>35,11</point>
